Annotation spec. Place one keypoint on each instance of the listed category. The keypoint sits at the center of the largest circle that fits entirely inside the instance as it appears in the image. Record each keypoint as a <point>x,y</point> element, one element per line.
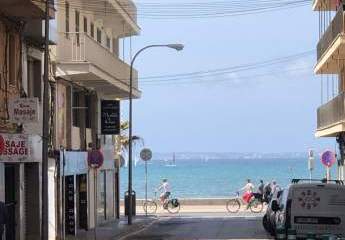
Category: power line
<point>186,10</point>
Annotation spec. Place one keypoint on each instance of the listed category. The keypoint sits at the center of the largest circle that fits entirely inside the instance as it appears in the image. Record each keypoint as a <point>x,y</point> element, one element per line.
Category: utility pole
<point>45,132</point>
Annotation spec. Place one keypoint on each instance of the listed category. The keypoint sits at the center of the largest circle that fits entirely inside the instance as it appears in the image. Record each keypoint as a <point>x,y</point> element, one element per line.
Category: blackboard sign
<point>69,206</point>
<point>110,117</point>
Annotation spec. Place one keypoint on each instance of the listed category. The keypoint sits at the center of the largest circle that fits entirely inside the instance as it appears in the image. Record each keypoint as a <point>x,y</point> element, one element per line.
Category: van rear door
<point>318,209</point>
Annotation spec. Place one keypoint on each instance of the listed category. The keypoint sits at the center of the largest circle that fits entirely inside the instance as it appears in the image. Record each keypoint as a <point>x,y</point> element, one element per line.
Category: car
<point>316,207</point>
<point>268,219</point>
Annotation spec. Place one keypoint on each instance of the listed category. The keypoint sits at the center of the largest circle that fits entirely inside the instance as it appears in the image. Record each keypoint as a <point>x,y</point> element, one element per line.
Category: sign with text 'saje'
<point>14,148</point>
<point>110,117</point>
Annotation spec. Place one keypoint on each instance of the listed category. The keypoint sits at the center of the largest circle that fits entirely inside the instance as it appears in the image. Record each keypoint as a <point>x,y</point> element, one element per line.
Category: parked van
<point>313,207</point>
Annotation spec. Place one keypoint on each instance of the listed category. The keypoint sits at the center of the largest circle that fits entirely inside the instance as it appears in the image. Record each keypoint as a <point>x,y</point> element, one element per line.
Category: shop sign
<point>110,117</point>
<point>14,148</point>
<point>70,208</point>
<point>23,110</point>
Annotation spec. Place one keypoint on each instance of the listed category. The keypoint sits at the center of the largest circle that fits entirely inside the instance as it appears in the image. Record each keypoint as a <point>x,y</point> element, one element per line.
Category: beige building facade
<point>330,67</point>
<point>21,64</point>
<point>88,69</point>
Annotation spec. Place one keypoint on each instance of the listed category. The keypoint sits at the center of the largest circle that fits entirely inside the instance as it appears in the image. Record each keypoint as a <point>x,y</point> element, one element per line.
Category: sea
<point>202,178</point>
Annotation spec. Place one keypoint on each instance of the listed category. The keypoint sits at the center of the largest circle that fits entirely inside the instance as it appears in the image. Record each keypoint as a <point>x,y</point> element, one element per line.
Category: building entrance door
<point>10,200</point>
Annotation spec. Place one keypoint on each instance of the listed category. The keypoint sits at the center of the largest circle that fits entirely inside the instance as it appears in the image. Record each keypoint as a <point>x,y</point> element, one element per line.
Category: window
<point>88,111</point>
<point>34,78</point>
<point>77,21</point>
<point>77,25</point>
<point>116,47</point>
<point>13,64</point>
<point>67,18</point>
<point>101,203</point>
<point>99,35</point>
<point>92,30</point>
<point>108,42</point>
<point>85,25</point>
<point>76,109</point>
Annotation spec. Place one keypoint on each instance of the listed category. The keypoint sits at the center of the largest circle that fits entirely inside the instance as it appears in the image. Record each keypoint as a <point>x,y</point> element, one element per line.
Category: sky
<point>236,112</point>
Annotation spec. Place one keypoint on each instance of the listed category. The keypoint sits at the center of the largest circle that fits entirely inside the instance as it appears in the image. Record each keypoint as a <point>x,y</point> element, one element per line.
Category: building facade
<point>88,70</point>
<point>330,67</point>
<point>21,59</point>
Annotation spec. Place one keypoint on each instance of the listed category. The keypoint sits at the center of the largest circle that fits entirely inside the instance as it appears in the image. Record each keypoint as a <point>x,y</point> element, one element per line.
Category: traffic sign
<point>95,158</point>
<point>328,158</point>
<point>146,154</point>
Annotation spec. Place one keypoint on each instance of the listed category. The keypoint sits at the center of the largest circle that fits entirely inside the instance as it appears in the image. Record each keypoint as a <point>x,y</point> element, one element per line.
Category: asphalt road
<point>202,227</point>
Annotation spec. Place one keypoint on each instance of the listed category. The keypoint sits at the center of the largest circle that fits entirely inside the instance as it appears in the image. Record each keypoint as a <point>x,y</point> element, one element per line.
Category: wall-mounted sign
<point>69,209</point>
<point>14,148</point>
<point>95,158</point>
<point>110,117</point>
<point>23,110</point>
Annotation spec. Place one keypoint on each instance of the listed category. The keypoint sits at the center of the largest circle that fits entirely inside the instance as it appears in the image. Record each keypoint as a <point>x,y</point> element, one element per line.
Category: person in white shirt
<point>249,187</point>
<point>165,189</point>
<point>248,190</point>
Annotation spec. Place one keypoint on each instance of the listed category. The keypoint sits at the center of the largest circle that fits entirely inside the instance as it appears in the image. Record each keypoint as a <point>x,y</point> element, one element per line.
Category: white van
<point>312,207</point>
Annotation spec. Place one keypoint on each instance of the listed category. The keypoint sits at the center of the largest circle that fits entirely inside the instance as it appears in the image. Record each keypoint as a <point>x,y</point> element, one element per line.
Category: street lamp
<point>177,47</point>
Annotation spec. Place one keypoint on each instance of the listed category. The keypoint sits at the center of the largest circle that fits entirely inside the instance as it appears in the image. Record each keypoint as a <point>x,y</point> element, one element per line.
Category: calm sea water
<point>217,178</point>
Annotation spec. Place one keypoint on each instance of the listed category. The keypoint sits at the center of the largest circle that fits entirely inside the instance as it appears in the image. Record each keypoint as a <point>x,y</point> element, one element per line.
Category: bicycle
<point>234,205</point>
<point>171,205</point>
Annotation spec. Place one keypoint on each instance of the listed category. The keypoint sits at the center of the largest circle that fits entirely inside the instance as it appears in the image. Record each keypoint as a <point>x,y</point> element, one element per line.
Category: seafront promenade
<point>195,205</point>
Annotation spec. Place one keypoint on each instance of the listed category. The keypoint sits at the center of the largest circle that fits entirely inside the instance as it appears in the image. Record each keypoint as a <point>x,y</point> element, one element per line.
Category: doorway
<point>11,199</point>
<point>82,201</point>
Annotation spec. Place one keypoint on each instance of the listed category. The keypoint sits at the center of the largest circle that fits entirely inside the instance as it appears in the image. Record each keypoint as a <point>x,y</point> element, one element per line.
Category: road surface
<point>202,227</point>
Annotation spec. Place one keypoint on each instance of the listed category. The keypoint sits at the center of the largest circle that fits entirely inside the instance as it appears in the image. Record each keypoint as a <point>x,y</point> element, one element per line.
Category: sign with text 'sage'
<point>110,117</point>
<point>23,110</point>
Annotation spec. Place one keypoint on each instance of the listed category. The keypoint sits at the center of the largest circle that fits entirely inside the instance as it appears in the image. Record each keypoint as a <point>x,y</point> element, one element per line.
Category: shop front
<point>20,184</point>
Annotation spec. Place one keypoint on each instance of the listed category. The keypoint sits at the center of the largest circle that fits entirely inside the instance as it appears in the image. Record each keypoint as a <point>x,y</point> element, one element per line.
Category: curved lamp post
<point>177,47</point>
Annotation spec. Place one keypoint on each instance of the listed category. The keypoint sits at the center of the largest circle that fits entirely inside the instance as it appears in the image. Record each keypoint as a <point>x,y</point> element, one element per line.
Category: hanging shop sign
<point>23,110</point>
<point>328,158</point>
<point>14,148</point>
<point>110,117</point>
<point>95,158</point>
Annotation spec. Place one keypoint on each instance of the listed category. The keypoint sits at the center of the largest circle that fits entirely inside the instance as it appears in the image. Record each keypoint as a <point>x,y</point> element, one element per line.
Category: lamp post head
<point>177,47</point>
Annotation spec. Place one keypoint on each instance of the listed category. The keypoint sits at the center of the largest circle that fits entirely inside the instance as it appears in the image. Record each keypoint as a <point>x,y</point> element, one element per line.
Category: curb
<point>138,228</point>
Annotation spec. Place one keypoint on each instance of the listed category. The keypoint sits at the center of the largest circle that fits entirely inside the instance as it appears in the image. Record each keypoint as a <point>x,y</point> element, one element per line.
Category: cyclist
<point>248,190</point>
<point>165,188</point>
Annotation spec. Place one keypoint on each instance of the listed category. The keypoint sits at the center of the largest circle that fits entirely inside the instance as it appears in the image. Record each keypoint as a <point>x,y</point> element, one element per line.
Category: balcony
<point>82,59</point>
<point>331,47</point>
<point>331,117</point>
<point>325,5</point>
<point>25,9</point>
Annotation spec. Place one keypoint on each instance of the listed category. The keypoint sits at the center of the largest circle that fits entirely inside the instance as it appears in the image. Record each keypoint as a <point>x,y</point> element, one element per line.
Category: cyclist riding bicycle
<point>165,188</point>
<point>248,190</point>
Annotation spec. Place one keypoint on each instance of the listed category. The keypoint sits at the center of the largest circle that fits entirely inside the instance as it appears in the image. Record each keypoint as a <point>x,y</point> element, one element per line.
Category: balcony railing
<point>332,112</point>
<point>81,48</point>
<point>335,28</point>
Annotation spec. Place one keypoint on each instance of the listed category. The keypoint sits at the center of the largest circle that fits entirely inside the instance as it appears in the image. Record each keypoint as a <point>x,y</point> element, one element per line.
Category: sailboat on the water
<point>171,163</point>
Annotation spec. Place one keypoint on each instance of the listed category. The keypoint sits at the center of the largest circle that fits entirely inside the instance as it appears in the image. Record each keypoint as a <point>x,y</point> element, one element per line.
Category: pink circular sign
<point>95,158</point>
<point>328,158</point>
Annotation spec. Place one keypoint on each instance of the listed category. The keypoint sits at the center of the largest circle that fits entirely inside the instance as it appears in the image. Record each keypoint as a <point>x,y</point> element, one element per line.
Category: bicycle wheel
<point>233,205</point>
<point>150,207</point>
<point>256,206</point>
<point>173,208</point>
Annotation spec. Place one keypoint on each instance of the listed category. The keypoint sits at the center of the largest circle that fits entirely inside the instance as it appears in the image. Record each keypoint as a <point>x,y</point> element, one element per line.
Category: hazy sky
<point>245,112</point>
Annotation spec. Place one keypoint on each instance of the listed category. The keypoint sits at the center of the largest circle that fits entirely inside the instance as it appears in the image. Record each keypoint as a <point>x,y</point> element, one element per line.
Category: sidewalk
<point>114,230</point>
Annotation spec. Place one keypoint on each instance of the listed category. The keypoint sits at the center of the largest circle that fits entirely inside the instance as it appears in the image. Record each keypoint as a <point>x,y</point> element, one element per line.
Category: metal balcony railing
<point>332,112</point>
<point>335,28</point>
<point>80,47</point>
